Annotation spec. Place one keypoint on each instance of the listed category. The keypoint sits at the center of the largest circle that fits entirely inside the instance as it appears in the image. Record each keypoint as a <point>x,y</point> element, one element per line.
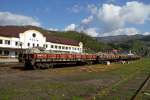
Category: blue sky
<point>50,13</point>
<point>69,15</point>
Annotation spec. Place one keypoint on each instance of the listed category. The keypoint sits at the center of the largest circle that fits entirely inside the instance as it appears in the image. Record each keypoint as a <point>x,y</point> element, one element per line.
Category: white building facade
<point>11,45</point>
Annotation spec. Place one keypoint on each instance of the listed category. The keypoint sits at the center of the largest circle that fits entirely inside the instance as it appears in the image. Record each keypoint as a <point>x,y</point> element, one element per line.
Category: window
<point>46,45</point>
<point>6,53</point>
<point>21,44</point>
<point>52,46</point>
<point>33,44</point>
<point>56,46</point>
<point>63,47</point>
<point>69,48</point>
<point>7,42</point>
<point>34,35</point>
<point>66,48</point>
<point>1,41</point>
<point>16,53</point>
<point>1,52</point>
<point>37,45</point>
<point>16,43</point>
<point>28,44</point>
<point>59,47</point>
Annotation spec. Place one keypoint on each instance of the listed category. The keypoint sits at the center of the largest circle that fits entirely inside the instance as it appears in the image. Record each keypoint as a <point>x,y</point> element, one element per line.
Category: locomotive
<point>36,58</point>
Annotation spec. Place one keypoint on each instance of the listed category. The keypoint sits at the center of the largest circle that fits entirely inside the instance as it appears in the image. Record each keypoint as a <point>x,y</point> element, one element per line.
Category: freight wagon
<point>35,60</point>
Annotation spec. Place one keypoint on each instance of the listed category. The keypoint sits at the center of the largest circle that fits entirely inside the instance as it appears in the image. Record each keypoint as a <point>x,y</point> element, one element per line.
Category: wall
<point>35,37</point>
<point>27,37</point>
<point>13,40</point>
<point>63,47</point>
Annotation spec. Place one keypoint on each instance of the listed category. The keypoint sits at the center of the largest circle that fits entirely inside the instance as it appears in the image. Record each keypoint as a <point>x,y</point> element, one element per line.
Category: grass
<point>77,83</point>
<point>127,73</point>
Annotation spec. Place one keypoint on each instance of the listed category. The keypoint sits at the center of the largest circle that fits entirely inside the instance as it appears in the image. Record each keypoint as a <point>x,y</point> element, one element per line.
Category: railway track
<point>7,67</point>
<point>2,65</point>
<point>141,88</point>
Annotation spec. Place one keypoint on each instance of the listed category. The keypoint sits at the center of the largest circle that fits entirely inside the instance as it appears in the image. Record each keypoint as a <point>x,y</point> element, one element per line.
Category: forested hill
<point>120,38</point>
<point>139,44</point>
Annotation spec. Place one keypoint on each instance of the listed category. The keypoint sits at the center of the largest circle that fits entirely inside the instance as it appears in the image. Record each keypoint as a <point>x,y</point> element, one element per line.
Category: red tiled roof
<point>60,40</point>
<point>13,31</point>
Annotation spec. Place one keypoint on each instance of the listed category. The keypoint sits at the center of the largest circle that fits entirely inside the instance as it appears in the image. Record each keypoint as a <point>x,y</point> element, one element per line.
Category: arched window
<point>34,35</point>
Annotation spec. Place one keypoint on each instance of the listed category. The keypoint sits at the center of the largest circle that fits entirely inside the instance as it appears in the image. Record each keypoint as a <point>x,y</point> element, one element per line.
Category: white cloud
<point>122,31</point>
<point>87,20</point>
<point>53,29</point>
<point>135,12</point>
<point>71,27</point>
<point>109,14</point>
<point>92,8</point>
<point>84,25</point>
<point>7,18</point>
<point>91,32</point>
<point>146,33</point>
<point>114,17</point>
<point>75,8</point>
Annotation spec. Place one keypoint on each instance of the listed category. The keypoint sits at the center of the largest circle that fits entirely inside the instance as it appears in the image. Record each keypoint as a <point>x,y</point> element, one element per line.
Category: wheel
<point>33,65</point>
<point>51,66</point>
<point>37,66</point>
<point>27,65</point>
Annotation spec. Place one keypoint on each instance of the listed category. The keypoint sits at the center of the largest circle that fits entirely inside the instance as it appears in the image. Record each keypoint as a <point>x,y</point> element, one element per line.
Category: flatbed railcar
<point>48,60</point>
<point>40,60</point>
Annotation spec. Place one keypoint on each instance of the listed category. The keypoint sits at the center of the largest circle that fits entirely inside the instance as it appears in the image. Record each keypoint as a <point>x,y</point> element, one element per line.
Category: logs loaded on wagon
<point>34,59</point>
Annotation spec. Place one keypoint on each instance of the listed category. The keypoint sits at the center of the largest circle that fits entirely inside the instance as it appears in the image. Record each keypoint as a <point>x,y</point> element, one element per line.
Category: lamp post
<point>20,55</point>
<point>20,44</point>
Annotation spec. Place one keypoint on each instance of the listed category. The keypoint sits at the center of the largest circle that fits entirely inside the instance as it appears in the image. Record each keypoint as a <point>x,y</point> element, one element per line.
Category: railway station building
<point>13,39</point>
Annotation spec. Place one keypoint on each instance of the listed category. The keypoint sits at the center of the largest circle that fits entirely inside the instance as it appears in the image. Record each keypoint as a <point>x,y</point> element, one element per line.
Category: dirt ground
<point>18,83</point>
<point>86,82</point>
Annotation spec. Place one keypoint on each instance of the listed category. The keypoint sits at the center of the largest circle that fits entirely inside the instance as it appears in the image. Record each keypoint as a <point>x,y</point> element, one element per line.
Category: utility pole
<point>20,43</point>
